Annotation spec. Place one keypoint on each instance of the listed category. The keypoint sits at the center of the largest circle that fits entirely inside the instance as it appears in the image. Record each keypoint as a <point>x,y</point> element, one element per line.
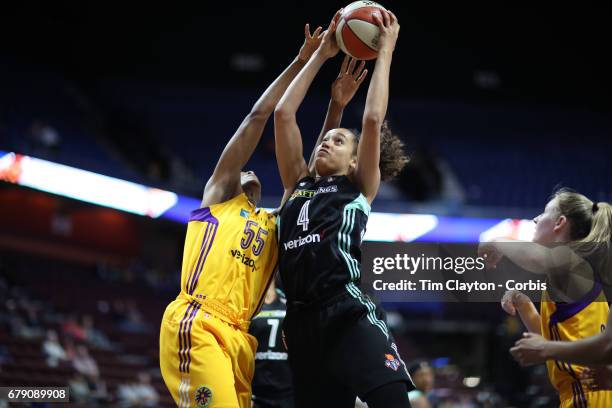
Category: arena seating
<point>63,291</point>
<point>502,156</point>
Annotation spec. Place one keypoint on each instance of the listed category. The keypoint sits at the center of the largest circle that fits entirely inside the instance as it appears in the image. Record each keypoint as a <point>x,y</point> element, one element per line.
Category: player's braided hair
<point>393,158</point>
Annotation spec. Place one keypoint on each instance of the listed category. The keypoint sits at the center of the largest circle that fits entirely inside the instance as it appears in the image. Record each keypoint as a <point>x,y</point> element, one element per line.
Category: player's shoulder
<point>221,209</point>
<point>267,216</point>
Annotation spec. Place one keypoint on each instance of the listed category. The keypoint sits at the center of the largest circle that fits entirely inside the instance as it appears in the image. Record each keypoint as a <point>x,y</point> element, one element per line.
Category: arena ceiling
<point>544,53</point>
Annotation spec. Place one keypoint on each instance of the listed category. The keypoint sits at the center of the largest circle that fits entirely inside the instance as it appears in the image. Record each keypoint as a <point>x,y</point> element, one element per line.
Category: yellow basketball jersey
<point>230,253</point>
<point>569,322</point>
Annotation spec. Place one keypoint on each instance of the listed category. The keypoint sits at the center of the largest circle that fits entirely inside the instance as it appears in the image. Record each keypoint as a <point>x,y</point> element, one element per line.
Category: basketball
<point>357,32</point>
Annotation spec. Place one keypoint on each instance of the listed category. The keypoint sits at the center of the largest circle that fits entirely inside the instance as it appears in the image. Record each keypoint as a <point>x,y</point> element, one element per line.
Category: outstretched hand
<point>329,47</point>
<point>311,42</point>
<point>346,84</point>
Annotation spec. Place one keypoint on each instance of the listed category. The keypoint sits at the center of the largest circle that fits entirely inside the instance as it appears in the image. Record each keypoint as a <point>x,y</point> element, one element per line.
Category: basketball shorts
<point>339,349</point>
<point>205,362</point>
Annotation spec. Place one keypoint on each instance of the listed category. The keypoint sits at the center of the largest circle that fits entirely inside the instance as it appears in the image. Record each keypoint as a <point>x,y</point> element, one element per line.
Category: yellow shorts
<point>581,398</point>
<point>205,362</point>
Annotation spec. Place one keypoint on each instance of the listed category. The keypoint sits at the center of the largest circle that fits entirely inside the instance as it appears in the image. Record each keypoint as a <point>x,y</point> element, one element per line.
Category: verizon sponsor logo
<point>244,259</point>
<point>271,355</point>
<point>300,241</point>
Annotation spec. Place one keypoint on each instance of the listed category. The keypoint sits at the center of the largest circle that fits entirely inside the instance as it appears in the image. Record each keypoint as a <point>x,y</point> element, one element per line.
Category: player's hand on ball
<point>311,42</point>
<point>348,81</point>
<point>389,30</point>
<point>329,48</point>
<point>530,349</point>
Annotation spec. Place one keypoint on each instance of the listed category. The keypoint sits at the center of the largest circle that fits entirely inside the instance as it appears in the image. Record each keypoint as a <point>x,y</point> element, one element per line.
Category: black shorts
<point>339,349</point>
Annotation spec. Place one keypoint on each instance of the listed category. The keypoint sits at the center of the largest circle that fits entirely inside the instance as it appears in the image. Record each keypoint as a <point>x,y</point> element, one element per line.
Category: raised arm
<point>289,148</point>
<point>342,91</point>
<point>225,180</point>
<point>530,256</point>
<point>577,274</point>
<point>367,173</point>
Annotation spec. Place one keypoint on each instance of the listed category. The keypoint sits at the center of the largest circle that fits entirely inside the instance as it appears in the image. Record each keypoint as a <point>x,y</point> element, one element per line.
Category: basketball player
<point>206,354</point>
<point>571,246</point>
<point>339,345</point>
<point>272,385</point>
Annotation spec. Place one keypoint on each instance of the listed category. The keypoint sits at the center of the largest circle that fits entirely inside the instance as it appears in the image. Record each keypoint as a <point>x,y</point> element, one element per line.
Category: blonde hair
<point>590,225</point>
<point>589,221</point>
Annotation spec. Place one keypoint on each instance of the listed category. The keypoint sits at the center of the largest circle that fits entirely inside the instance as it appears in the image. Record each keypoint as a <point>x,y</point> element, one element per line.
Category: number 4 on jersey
<point>303,217</point>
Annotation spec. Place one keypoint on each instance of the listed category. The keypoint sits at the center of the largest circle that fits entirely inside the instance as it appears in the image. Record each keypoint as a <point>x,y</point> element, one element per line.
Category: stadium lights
<point>142,200</point>
<point>471,382</point>
<point>84,185</point>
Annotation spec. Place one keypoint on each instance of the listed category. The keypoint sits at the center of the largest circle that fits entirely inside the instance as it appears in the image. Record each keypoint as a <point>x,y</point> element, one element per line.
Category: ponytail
<point>601,225</point>
<point>590,229</point>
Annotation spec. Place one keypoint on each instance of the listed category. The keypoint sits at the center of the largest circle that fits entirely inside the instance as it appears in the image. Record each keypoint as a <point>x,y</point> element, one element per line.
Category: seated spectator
<point>423,377</point>
<point>72,328</point>
<point>32,319</point>
<point>20,329</point>
<point>94,337</point>
<point>118,311</point>
<point>79,389</point>
<point>100,394</point>
<point>53,349</point>
<point>84,364</point>
<point>133,321</point>
<point>69,348</point>
<point>141,393</point>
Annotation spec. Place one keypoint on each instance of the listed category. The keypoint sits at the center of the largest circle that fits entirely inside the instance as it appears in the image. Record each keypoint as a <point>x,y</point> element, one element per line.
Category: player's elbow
<point>282,113</point>
<point>372,120</point>
<point>259,115</point>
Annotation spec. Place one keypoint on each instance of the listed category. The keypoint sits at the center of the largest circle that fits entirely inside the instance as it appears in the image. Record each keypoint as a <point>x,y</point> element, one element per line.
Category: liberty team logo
<point>203,396</point>
<point>391,362</point>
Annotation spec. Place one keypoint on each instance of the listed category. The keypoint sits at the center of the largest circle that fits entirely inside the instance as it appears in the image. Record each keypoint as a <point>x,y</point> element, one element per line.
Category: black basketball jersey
<point>272,373</point>
<point>321,228</point>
